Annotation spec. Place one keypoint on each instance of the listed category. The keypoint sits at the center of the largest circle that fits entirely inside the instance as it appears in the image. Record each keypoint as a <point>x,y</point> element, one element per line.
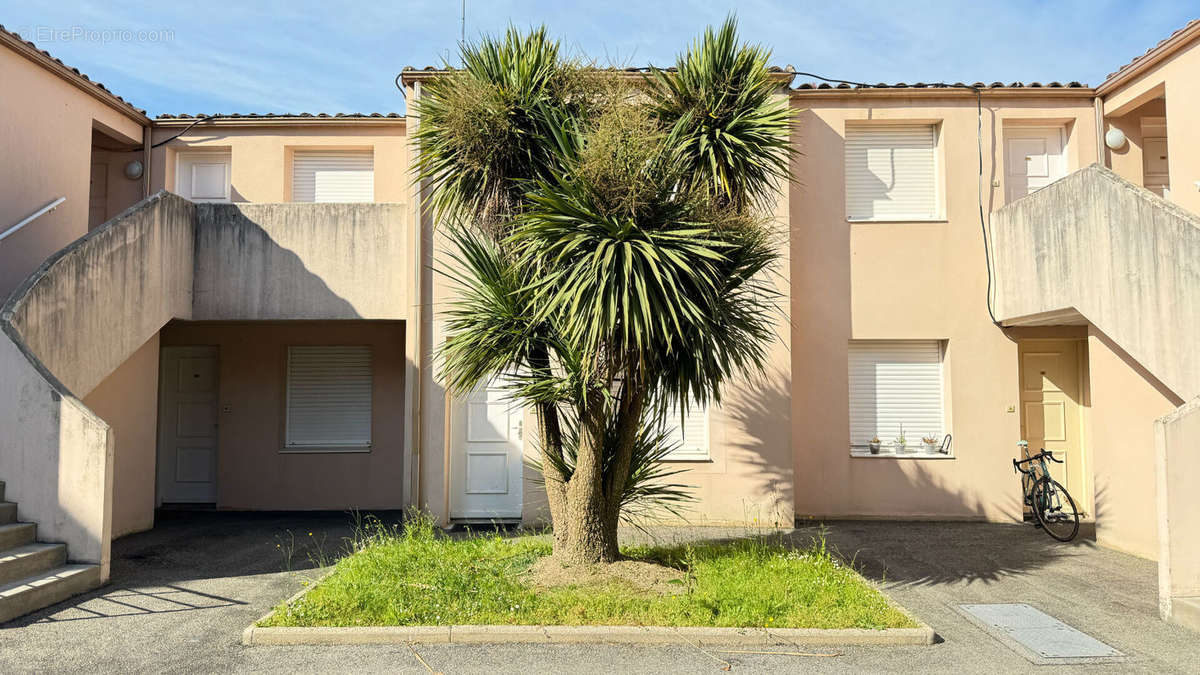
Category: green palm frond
<point>483,128</point>
<point>491,322</point>
<point>722,101</point>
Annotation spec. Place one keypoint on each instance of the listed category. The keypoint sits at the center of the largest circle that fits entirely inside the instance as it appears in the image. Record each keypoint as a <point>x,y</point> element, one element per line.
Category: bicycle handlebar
<point>1044,453</point>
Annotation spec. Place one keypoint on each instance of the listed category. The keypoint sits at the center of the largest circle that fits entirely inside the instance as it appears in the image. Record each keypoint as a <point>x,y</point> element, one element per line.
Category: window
<point>891,172</point>
<point>328,398</point>
<point>333,176</point>
<point>894,382</point>
<point>203,176</point>
<point>688,434</point>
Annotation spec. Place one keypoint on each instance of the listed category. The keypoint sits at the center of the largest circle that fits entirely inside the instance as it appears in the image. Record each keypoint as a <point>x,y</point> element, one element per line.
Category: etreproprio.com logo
<point>49,34</point>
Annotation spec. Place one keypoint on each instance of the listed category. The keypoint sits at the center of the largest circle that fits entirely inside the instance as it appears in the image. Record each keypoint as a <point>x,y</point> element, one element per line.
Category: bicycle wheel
<point>1055,509</point>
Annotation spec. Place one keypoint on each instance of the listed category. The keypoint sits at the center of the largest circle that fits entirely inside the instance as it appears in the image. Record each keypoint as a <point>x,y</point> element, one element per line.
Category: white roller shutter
<point>329,397</point>
<point>687,434</point>
<point>894,382</point>
<point>891,172</point>
<point>333,176</point>
<point>203,176</point>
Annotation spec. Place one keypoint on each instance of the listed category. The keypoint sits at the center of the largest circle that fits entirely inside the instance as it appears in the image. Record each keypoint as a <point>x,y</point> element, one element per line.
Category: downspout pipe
<point>147,137</point>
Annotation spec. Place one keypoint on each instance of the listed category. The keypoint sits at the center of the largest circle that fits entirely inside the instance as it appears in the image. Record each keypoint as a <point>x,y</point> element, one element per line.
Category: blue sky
<point>342,56</point>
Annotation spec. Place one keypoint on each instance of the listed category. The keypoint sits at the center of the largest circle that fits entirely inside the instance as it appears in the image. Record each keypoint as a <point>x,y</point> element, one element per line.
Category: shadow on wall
<point>760,448</point>
<point>900,489</point>
<point>243,272</point>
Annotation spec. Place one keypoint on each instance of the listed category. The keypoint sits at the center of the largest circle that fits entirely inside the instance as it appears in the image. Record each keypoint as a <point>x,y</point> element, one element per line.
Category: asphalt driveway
<point>182,593</point>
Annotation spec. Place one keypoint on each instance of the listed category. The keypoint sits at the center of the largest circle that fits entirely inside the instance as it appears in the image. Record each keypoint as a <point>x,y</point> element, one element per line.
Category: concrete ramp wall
<point>1115,255</point>
<point>84,311</point>
<point>1177,437</point>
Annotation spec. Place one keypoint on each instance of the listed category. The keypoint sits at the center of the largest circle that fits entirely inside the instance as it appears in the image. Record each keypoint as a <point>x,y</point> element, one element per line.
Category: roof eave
<point>20,46</point>
<point>278,121</point>
<point>1140,65</point>
<point>782,76</point>
<point>946,92</point>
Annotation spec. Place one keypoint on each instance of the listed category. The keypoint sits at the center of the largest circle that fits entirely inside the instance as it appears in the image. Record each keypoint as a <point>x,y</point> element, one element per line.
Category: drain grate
<point>1044,638</point>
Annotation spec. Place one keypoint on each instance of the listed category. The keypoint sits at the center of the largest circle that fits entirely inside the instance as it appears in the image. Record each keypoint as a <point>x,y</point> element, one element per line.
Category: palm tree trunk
<point>550,438</point>
<point>587,539</point>
<point>629,412</point>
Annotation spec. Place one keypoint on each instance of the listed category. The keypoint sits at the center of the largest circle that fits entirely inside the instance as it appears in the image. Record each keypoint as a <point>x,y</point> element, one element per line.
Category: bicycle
<point>1052,505</point>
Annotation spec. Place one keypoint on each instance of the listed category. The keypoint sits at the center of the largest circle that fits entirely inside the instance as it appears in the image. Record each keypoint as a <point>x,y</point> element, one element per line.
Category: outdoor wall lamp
<point>1114,139</point>
<point>133,170</point>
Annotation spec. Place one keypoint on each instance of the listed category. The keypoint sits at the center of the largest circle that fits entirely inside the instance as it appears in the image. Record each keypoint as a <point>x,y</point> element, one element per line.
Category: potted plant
<point>874,444</point>
<point>900,441</point>
<point>931,443</point>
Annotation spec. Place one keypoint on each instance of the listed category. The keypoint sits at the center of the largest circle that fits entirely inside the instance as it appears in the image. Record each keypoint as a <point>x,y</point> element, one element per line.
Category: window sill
<point>853,221</point>
<point>353,449</point>
<point>686,460</point>
<point>857,453</point>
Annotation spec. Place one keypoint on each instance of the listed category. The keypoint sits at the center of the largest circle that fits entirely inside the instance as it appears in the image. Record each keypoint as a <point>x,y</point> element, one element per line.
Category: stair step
<point>30,559</point>
<point>16,534</point>
<point>42,590</point>
<point>8,512</point>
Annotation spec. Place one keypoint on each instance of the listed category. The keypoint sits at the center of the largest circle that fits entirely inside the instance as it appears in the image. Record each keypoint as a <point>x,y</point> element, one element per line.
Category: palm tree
<point>612,258</point>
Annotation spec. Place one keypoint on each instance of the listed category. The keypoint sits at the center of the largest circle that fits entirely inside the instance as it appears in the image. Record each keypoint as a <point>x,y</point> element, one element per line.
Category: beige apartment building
<point>240,311</point>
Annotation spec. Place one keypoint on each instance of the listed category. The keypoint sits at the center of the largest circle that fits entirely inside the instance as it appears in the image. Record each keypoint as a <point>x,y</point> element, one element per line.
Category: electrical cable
<point>983,228</point>
<point>186,129</point>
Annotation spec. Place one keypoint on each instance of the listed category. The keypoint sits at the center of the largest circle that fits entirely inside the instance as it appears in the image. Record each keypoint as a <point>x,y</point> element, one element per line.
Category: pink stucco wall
<point>252,473</point>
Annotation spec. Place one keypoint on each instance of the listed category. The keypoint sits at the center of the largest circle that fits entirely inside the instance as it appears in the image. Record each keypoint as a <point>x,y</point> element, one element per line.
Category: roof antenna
<point>463,35</point>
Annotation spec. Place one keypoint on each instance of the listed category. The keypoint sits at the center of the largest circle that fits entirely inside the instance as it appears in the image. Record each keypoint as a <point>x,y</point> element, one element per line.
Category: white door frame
<point>1013,132</point>
<point>486,427</point>
<point>168,487</point>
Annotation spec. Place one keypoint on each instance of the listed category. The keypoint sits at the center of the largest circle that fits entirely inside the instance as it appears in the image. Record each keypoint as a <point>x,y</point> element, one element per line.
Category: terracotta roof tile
<point>628,69</point>
<point>944,85</point>
<point>268,116</point>
<point>45,54</point>
<point>1134,63</point>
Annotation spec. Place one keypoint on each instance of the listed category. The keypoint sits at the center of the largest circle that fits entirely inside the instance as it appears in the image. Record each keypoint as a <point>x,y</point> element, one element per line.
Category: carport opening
<point>281,416</point>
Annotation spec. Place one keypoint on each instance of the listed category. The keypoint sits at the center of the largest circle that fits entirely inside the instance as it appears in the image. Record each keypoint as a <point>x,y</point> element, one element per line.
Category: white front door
<point>486,460</point>
<point>187,425</point>
<point>1156,169</point>
<point>1033,159</point>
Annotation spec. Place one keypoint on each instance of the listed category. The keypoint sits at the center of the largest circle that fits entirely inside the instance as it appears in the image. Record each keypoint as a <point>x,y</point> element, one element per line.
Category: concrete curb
<point>646,635</point>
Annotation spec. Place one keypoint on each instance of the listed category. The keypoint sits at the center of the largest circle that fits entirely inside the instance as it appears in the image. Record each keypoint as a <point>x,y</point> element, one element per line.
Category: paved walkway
<point>182,593</point>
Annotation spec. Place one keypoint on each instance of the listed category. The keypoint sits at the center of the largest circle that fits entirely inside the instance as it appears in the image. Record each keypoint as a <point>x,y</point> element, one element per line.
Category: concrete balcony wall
<point>94,304</point>
<point>1095,248</point>
<point>260,262</point>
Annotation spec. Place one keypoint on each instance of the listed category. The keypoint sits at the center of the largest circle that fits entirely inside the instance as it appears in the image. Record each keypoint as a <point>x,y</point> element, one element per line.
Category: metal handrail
<point>40,212</point>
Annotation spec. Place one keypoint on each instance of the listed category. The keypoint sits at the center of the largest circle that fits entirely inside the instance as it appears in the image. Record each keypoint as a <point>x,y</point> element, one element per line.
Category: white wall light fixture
<point>1115,138</point>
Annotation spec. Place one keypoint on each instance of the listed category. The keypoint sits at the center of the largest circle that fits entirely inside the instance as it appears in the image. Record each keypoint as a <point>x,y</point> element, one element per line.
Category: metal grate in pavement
<point>1043,637</point>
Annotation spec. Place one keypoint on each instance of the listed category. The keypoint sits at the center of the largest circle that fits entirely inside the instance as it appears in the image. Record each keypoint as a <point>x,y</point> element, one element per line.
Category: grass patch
<point>414,576</point>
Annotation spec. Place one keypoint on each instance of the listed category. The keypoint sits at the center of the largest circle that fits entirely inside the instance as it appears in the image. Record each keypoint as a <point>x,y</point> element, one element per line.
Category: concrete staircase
<point>34,575</point>
<point>1093,248</point>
